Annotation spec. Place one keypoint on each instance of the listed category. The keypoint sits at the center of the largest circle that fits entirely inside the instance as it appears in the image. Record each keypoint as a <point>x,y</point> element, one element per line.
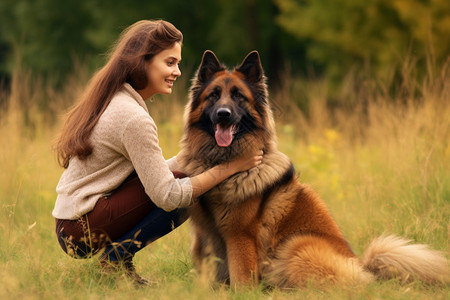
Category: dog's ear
<point>208,67</point>
<point>251,67</point>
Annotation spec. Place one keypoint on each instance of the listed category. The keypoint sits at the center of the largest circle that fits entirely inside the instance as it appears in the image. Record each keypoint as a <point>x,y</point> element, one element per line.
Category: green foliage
<point>309,38</point>
<point>45,35</point>
<point>377,34</point>
<point>52,37</point>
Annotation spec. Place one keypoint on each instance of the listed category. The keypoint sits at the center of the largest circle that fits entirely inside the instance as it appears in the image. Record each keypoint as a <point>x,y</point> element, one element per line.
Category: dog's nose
<point>223,113</point>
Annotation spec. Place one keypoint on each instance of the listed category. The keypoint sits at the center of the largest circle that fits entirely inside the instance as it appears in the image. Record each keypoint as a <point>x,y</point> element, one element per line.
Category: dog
<point>263,225</point>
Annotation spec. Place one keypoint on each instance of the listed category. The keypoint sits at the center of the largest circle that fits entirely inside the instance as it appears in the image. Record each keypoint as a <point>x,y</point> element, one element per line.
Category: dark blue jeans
<point>156,224</point>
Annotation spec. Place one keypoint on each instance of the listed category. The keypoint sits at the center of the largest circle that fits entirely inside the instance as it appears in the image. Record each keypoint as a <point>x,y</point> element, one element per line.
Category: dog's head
<point>229,104</point>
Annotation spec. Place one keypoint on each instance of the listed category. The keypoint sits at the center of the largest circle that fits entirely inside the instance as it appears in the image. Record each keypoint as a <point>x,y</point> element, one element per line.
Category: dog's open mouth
<point>224,135</point>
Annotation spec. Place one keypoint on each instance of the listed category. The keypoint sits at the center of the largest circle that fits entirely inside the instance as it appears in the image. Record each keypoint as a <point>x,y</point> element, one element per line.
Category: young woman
<point>117,192</point>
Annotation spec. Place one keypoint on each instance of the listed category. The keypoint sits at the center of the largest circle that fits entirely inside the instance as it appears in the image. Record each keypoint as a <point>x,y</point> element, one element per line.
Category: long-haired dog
<point>263,224</point>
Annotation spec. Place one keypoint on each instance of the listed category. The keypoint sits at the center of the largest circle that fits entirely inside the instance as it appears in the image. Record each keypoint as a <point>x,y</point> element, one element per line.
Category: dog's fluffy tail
<point>391,256</point>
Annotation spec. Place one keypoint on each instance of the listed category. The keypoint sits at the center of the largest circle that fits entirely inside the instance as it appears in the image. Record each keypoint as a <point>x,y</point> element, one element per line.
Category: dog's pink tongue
<point>224,136</point>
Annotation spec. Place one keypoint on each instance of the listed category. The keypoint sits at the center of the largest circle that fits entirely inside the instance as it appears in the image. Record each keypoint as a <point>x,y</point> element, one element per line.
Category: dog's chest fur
<point>233,206</point>
<point>245,185</point>
<point>197,157</point>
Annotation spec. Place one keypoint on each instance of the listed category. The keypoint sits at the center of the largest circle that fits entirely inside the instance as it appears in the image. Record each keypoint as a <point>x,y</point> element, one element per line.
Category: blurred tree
<point>246,25</point>
<point>293,36</point>
<point>45,36</point>
<point>49,36</point>
<point>380,34</point>
<point>193,18</point>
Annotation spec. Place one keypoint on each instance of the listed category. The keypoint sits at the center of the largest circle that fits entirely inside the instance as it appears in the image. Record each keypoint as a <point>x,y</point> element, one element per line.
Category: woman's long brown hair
<point>136,45</point>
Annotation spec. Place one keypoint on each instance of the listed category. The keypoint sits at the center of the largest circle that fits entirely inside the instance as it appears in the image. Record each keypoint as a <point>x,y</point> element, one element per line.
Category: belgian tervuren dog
<point>263,224</point>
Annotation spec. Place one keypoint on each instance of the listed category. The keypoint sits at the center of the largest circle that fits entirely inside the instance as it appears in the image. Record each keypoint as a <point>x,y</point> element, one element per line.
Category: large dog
<point>263,224</point>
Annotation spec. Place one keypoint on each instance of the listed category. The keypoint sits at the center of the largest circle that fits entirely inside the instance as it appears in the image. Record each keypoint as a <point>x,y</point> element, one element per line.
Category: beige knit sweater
<point>124,139</point>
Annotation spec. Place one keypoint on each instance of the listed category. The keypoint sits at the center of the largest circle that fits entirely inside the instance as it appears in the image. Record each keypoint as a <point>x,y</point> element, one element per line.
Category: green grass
<point>386,169</point>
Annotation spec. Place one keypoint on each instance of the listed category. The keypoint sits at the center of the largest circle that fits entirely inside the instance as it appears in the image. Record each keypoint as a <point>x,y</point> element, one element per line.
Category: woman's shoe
<point>127,266</point>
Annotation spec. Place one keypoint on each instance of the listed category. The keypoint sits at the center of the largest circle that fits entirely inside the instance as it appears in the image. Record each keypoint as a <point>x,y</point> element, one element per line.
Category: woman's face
<point>162,71</point>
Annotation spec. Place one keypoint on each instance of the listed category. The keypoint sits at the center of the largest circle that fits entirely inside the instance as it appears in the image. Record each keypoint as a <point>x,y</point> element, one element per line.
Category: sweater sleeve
<point>173,164</point>
<point>141,147</point>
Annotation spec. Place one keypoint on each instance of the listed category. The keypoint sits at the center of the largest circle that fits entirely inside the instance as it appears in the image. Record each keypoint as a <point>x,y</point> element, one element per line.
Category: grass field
<point>381,167</point>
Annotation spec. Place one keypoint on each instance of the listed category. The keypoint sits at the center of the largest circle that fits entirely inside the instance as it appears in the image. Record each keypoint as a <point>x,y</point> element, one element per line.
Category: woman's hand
<point>210,178</point>
<point>247,162</point>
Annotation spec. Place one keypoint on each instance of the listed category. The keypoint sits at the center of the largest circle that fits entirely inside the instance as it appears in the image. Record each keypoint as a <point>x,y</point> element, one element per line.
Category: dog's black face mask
<point>226,100</point>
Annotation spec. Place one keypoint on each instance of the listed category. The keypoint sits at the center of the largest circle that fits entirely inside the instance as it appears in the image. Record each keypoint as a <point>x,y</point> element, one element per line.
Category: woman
<point>113,163</point>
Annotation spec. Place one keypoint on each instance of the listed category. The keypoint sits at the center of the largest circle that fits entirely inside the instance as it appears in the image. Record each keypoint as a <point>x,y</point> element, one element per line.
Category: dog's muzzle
<point>223,114</point>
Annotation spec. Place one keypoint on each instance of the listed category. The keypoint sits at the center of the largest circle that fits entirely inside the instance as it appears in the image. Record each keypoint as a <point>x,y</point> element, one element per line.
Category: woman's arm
<point>210,178</point>
<point>173,164</point>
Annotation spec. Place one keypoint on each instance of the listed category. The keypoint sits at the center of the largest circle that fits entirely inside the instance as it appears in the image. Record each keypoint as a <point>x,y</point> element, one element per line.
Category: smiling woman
<point>118,193</point>
<point>162,71</point>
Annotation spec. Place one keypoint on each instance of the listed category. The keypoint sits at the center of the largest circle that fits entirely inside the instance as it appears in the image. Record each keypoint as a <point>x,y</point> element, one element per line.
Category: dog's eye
<point>236,95</point>
<point>214,96</point>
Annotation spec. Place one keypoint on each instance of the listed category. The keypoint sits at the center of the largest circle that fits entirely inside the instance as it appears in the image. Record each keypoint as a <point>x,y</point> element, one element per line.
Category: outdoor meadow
<point>375,145</point>
<point>382,168</point>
